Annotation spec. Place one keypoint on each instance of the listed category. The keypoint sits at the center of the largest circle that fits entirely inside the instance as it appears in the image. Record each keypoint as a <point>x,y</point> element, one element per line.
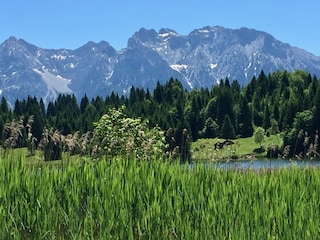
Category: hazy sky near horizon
<point>70,24</point>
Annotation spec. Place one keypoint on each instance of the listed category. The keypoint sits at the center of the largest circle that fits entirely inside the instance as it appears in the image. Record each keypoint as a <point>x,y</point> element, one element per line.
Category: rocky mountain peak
<point>199,59</point>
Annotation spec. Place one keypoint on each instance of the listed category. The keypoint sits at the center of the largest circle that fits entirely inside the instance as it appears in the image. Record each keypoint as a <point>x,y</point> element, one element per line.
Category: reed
<point>126,199</point>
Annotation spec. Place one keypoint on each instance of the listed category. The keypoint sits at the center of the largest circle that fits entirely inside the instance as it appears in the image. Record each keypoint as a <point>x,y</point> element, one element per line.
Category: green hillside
<point>243,148</point>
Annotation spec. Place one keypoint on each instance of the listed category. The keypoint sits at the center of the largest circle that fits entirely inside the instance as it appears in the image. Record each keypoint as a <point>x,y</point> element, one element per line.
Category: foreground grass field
<point>203,149</point>
<point>154,200</point>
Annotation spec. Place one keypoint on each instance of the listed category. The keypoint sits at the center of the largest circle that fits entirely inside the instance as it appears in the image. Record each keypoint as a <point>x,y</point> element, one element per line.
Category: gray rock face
<point>199,59</point>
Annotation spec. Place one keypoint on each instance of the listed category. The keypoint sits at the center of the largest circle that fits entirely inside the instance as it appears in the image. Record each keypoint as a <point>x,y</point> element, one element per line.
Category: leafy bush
<point>259,135</point>
<point>115,134</point>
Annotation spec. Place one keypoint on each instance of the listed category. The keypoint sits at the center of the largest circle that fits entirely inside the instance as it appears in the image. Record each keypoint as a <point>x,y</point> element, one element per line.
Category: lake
<point>265,164</point>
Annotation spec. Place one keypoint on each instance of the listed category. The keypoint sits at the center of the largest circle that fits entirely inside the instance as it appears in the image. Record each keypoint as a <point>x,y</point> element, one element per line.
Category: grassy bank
<point>126,200</point>
<point>203,149</point>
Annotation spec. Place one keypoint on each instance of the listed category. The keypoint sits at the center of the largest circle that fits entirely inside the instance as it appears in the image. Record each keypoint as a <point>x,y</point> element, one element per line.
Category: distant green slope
<point>244,148</point>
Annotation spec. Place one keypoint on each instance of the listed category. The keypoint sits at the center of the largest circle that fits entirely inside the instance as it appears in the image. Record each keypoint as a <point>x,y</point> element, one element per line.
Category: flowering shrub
<point>115,134</point>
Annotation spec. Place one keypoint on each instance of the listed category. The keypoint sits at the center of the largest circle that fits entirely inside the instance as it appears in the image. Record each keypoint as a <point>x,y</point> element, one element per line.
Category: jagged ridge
<point>199,59</point>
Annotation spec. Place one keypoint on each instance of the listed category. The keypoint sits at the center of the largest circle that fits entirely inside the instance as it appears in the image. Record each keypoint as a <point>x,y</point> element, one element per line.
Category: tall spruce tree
<point>316,111</point>
<point>227,129</point>
<point>84,103</point>
<point>225,106</point>
<point>245,119</point>
<point>266,117</point>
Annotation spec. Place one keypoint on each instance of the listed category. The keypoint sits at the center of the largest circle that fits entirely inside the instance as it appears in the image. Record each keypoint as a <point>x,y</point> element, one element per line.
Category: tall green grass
<point>155,200</point>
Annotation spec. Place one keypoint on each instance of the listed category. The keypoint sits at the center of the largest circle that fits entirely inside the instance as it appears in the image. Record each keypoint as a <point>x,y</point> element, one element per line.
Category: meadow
<point>126,199</point>
<point>243,148</point>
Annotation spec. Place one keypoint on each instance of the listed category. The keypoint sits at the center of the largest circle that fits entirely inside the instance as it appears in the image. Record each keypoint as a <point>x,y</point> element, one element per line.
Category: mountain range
<point>200,59</point>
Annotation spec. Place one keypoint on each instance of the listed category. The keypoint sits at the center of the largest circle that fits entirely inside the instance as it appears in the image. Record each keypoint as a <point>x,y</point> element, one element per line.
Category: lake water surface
<point>266,164</point>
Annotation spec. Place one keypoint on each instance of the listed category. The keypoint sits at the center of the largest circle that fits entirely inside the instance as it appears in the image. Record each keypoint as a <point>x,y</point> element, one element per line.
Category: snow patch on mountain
<point>204,30</point>
<point>179,67</point>
<point>109,76</point>
<point>213,65</point>
<point>163,35</point>
<point>59,57</point>
<point>55,84</point>
<point>72,65</point>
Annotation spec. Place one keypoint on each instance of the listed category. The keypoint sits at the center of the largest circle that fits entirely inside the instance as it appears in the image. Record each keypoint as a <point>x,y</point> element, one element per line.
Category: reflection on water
<point>266,164</point>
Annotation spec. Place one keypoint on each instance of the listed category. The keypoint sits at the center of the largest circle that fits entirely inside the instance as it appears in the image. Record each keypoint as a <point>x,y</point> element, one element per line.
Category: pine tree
<point>266,118</point>
<point>225,106</point>
<point>17,110</point>
<point>276,113</point>
<point>227,129</point>
<point>84,103</point>
<point>210,129</point>
<point>158,93</point>
<point>245,119</point>
<point>42,108</point>
<point>4,106</point>
<point>211,108</point>
<point>194,119</point>
<point>316,111</point>
<point>37,127</point>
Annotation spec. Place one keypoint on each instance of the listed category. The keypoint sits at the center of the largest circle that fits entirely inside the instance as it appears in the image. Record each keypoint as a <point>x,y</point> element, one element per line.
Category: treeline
<point>279,102</point>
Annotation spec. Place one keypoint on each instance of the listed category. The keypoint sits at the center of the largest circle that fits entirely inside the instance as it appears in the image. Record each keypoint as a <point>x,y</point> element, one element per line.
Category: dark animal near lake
<point>220,145</point>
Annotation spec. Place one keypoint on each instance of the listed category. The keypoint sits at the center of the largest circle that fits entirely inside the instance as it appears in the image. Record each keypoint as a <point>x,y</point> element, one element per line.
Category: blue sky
<point>70,24</point>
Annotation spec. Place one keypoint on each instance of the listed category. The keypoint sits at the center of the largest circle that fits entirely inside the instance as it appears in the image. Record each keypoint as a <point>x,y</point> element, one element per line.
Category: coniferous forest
<point>281,102</point>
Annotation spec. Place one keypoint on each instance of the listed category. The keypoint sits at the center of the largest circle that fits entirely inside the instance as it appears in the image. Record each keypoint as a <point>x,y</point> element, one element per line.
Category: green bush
<point>259,135</point>
<point>115,134</point>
